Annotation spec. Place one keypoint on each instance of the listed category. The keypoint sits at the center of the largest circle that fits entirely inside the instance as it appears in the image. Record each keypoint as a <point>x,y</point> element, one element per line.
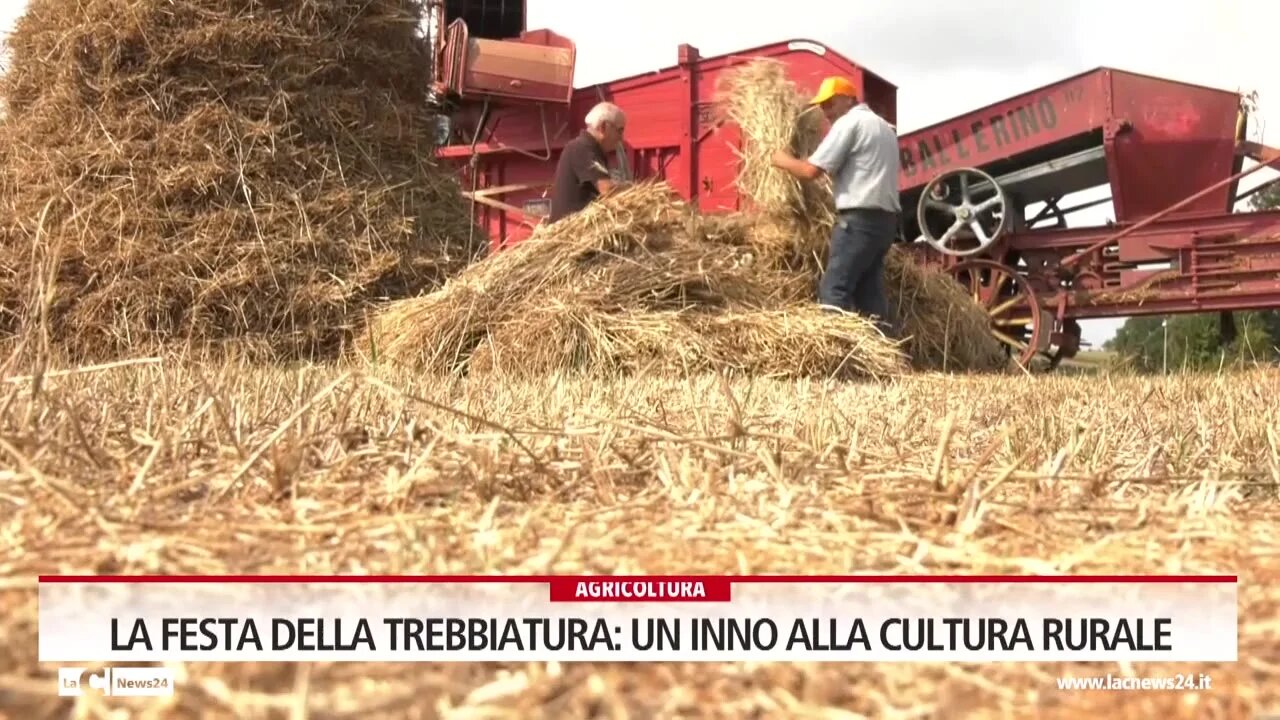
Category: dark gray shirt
<point>582,164</point>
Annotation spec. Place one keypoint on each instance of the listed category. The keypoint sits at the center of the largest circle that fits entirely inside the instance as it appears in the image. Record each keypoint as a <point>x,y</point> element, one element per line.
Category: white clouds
<point>944,59</point>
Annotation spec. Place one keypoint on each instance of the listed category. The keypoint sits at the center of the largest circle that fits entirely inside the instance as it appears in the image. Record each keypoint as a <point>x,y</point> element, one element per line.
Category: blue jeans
<point>854,278</point>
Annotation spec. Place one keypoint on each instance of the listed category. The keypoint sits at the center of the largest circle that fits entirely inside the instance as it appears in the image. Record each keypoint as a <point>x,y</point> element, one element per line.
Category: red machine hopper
<point>1171,154</point>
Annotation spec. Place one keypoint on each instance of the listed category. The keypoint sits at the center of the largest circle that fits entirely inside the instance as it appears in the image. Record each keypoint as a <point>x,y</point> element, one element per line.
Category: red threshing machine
<point>1171,153</point>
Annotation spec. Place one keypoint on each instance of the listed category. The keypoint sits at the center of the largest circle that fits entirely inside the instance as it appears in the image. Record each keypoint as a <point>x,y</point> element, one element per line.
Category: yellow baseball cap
<point>832,87</point>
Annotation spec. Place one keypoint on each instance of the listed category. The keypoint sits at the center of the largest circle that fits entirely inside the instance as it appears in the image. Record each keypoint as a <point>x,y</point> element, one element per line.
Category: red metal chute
<point>485,53</point>
<point>534,67</point>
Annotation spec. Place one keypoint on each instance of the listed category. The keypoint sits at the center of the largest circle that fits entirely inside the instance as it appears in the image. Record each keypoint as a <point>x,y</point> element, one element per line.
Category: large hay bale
<point>213,170</point>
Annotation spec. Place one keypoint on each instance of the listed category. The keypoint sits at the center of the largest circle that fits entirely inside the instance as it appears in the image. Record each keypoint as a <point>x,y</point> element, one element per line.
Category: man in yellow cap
<point>860,155</point>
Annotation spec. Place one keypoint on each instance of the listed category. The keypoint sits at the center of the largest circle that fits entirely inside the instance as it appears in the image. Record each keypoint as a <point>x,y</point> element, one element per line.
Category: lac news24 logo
<point>118,682</point>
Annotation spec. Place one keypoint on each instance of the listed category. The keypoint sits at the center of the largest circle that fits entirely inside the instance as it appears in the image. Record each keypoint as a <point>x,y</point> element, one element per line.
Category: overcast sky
<point>946,59</point>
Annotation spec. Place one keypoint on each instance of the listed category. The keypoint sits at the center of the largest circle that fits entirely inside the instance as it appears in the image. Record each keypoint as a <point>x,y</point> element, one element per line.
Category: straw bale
<point>943,329</point>
<point>216,170</point>
<point>617,253</point>
<point>799,341</point>
<point>640,281</point>
<point>940,326</point>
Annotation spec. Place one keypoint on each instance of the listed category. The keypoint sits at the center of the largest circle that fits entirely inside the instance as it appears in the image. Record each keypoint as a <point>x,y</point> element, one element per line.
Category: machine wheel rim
<point>1017,321</point>
<point>966,212</point>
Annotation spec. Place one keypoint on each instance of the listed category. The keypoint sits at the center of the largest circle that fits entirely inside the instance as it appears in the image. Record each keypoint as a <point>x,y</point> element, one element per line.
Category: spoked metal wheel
<point>962,212</point>
<point>1017,319</point>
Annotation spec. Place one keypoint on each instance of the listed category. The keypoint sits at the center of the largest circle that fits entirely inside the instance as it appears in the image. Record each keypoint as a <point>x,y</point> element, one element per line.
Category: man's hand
<point>606,184</point>
<point>799,169</point>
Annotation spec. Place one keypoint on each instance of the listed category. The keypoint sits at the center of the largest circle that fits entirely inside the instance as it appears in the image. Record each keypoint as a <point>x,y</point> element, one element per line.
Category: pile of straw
<point>642,281</point>
<point>636,281</point>
<point>944,327</point>
<point>214,170</point>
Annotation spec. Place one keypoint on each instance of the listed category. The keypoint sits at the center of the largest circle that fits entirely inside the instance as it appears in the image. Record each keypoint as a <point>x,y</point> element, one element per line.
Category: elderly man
<point>582,174</point>
<point>860,154</point>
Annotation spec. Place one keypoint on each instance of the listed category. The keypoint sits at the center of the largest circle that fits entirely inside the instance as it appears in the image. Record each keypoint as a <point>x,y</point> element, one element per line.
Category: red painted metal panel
<point>535,67</point>
<point>1165,139</point>
<point>1181,139</point>
<point>1030,121</point>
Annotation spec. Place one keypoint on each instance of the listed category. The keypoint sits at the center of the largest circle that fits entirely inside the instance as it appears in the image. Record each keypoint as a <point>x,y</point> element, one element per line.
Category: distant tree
<point>1140,338</point>
<point>1268,199</point>
<point>1192,342</point>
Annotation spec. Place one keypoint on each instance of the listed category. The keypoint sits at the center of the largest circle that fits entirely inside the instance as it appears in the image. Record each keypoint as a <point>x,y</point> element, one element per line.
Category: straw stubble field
<point>167,467</point>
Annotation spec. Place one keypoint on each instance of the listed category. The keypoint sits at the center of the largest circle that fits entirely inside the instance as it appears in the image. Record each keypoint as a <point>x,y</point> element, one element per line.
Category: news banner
<point>856,618</point>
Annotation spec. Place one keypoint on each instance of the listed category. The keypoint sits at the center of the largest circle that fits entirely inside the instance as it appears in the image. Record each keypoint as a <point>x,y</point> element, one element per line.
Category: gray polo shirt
<point>860,153</point>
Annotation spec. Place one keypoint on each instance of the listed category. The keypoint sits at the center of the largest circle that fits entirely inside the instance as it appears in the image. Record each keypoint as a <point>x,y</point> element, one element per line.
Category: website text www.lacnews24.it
<point>1110,682</point>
